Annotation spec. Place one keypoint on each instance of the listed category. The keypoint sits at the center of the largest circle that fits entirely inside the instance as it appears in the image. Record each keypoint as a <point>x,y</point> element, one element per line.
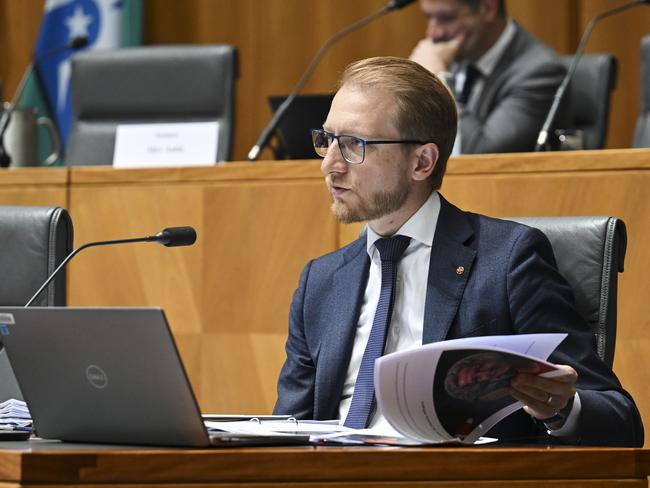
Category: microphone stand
<point>266,133</point>
<point>169,237</point>
<point>542,138</point>
<point>74,253</point>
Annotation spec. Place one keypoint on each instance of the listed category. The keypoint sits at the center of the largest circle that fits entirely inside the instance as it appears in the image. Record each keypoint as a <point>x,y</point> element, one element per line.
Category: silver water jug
<point>21,138</point>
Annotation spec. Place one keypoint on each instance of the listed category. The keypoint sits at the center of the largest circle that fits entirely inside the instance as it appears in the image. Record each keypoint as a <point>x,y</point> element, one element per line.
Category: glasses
<point>353,149</point>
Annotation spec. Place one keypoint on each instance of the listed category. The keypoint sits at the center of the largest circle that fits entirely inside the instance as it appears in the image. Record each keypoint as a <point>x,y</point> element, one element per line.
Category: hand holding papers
<point>458,389</point>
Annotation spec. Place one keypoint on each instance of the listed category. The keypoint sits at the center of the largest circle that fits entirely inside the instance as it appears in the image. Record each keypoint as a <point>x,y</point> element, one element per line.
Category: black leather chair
<point>153,84</point>
<point>642,130</point>
<point>589,97</point>
<point>33,241</point>
<point>590,252</point>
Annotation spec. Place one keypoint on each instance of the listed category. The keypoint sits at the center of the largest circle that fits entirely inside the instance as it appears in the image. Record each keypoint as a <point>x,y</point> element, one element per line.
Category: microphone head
<point>78,42</point>
<point>397,4</point>
<point>176,236</point>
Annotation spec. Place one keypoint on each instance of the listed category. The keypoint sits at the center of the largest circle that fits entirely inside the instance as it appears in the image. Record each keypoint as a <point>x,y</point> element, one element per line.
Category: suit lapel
<point>349,282</point>
<point>449,268</point>
<point>482,105</point>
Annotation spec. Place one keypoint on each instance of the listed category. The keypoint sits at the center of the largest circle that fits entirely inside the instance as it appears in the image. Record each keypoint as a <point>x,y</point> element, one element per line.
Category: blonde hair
<point>426,110</point>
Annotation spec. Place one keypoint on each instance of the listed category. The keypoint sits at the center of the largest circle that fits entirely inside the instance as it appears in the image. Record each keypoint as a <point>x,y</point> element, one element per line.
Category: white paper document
<point>163,145</point>
<point>273,427</point>
<point>458,389</point>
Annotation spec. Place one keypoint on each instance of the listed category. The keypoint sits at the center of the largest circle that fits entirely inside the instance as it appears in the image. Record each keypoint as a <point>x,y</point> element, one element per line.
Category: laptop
<point>108,375</point>
<point>305,113</point>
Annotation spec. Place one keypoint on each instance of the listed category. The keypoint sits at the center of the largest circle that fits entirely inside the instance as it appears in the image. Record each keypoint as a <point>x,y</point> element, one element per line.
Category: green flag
<point>57,27</point>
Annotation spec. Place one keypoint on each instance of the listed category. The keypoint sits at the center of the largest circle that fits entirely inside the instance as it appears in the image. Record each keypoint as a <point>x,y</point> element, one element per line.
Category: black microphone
<point>74,44</point>
<point>266,133</point>
<point>169,237</point>
<point>542,138</point>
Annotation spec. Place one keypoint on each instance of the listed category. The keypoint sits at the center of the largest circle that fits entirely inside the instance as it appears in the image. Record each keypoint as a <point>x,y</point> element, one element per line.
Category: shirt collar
<point>489,60</point>
<point>421,227</point>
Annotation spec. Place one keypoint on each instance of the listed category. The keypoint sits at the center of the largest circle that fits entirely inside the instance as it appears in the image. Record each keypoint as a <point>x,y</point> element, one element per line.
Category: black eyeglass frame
<point>364,141</point>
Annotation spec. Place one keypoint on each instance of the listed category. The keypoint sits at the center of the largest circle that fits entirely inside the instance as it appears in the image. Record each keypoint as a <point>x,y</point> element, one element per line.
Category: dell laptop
<point>108,375</point>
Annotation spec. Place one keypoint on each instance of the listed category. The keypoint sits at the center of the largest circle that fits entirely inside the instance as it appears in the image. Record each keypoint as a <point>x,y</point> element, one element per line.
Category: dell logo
<point>96,376</point>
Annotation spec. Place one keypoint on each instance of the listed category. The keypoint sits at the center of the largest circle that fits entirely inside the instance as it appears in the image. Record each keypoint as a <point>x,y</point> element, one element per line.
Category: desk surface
<point>44,463</point>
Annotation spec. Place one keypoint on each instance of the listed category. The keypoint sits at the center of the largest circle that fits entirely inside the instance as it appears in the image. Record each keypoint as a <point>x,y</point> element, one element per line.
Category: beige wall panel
<point>239,371</point>
<point>30,186</point>
<point>620,35</point>
<point>227,297</point>
<point>19,25</point>
<point>260,236</point>
<point>277,38</point>
<point>33,195</point>
<point>553,21</point>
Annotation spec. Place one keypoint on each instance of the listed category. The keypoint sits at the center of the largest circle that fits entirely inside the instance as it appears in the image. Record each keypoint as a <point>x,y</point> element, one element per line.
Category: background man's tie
<point>363,400</point>
<point>472,75</point>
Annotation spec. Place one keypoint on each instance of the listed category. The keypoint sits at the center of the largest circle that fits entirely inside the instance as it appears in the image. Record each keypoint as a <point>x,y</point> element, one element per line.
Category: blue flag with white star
<point>100,21</point>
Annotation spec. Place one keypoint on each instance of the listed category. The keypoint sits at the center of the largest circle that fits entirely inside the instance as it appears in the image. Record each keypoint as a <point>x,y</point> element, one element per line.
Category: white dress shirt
<point>405,330</point>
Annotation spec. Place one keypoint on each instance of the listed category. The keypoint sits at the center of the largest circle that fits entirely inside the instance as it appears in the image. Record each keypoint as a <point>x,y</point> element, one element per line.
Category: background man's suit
<point>510,286</point>
<point>508,113</point>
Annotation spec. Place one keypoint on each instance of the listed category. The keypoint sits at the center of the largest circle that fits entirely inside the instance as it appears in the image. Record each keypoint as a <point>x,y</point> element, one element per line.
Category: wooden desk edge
<point>320,464</point>
<point>602,160</point>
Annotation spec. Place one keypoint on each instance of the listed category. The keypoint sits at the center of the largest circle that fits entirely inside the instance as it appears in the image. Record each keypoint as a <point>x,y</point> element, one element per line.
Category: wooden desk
<point>323,467</point>
<point>34,186</point>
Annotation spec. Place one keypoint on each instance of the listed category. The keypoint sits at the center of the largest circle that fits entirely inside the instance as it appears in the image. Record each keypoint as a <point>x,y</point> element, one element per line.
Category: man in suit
<point>386,141</point>
<point>504,78</point>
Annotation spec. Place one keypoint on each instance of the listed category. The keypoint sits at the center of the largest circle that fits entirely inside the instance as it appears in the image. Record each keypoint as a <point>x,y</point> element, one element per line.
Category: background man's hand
<point>436,56</point>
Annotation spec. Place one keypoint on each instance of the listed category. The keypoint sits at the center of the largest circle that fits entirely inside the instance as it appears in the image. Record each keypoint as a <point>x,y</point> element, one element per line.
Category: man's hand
<point>544,397</point>
<point>437,57</point>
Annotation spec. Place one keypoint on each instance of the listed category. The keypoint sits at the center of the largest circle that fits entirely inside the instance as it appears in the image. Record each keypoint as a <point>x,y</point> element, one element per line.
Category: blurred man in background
<point>503,79</point>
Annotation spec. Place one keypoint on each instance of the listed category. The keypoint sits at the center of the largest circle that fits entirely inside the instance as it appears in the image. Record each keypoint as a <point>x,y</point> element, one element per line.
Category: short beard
<point>381,203</point>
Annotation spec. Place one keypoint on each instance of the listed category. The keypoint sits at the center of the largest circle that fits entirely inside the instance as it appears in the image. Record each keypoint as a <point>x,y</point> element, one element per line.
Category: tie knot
<point>392,248</point>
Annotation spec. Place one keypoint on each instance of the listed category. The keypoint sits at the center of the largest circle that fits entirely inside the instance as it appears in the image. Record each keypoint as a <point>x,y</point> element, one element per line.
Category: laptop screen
<point>102,375</point>
<point>305,113</point>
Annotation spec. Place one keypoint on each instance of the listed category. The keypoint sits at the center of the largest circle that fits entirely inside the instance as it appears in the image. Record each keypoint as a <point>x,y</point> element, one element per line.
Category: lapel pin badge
<point>460,270</point>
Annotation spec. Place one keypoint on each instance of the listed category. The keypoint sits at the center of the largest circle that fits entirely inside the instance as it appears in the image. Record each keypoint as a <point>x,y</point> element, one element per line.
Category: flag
<point>105,23</point>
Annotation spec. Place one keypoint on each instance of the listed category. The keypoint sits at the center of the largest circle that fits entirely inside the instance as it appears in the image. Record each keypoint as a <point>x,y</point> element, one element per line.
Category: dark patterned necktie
<point>472,75</point>
<point>363,399</point>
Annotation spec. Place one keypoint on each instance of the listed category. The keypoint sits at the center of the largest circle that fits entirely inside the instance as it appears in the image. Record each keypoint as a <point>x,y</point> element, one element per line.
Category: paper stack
<point>14,414</point>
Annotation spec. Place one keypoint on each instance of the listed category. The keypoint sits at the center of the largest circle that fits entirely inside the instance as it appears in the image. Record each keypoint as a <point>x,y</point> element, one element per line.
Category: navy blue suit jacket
<point>510,286</point>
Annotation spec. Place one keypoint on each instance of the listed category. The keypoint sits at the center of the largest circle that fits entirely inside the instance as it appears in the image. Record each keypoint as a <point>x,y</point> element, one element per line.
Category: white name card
<point>179,144</point>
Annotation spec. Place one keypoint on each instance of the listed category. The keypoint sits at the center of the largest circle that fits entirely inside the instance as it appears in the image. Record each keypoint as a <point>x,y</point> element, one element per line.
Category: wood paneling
<point>19,24</point>
<point>227,296</point>
<point>621,36</point>
<point>276,40</point>
<point>32,186</point>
